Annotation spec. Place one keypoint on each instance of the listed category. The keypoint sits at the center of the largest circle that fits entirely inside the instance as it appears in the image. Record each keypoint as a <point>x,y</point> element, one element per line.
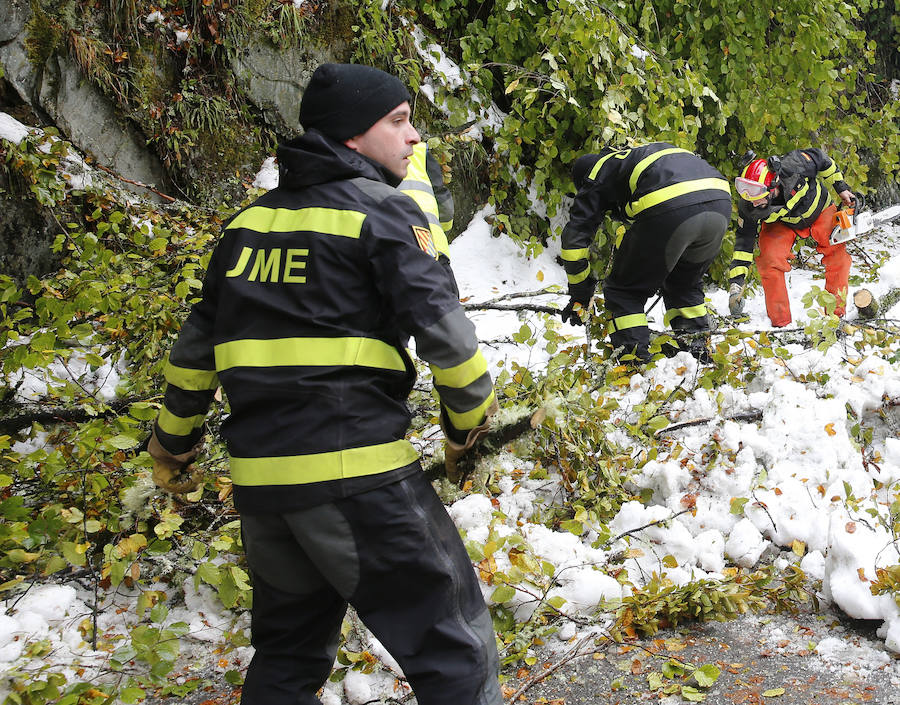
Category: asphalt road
<point>808,659</point>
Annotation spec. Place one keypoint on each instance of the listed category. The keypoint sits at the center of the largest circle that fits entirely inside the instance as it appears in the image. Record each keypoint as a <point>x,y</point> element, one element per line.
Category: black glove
<point>579,293</point>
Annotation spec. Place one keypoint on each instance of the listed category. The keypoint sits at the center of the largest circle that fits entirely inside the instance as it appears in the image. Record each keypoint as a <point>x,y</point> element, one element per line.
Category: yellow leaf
<point>829,429</point>
<point>773,693</point>
<point>512,86</point>
<point>798,547</point>
<point>540,275</point>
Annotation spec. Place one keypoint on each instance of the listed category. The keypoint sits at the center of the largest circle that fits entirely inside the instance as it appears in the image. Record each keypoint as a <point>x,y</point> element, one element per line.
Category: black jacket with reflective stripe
<point>308,302</point>
<point>804,177</point>
<point>634,183</point>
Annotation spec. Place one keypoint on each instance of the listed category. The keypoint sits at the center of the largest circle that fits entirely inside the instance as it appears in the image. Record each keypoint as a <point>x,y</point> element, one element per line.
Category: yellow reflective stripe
<point>424,199</point>
<point>463,374</point>
<point>801,192</point>
<point>737,271</point>
<point>697,311</point>
<point>321,467</point>
<point>809,211</point>
<point>647,161</point>
<point>632,320</point>
<point>447,225</point>
<point>654,198</point>
<point>600,162</point>
<point>741,256</point>
<point>328,221</point>
<point>580,277</point>
<point>574,255</point>
<point>469,419</point>
<point>178,425</point>
<point>190,380</point>
<point>314,352</point>
<point>776,215</point>
<point>831,175</point>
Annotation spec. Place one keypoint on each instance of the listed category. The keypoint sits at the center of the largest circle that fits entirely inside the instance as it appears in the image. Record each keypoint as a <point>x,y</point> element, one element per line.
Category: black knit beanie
<point>345,100</point>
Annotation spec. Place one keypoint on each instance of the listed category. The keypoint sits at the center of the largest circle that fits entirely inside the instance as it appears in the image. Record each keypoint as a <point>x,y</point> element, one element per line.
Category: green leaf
<point>573,526</point>
<point>122,442</point>
<point>131,695</point>
<point>209,573</point>
<point>691,694</point>
<point>502,594</point>
<point>706,675</point>
<point>737,505</point>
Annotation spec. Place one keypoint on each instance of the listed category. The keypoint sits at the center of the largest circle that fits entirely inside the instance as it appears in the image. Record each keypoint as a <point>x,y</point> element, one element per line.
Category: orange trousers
<point>775,243</point>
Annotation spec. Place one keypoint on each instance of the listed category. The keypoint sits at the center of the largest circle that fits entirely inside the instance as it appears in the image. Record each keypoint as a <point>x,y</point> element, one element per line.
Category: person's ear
<point>352,144</point>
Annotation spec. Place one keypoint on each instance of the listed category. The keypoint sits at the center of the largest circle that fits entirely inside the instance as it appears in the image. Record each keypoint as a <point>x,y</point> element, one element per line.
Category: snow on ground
<point>802,476</point>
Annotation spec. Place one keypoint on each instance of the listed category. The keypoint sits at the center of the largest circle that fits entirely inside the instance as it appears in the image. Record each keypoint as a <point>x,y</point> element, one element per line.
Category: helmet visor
<point>750,190</point>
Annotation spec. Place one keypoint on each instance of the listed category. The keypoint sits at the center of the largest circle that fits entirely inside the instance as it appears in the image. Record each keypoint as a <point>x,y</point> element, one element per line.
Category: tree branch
<point>48,415</point>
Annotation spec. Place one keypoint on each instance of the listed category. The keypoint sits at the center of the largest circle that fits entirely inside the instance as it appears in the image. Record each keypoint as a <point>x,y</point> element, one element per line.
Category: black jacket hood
<point>314,159</point>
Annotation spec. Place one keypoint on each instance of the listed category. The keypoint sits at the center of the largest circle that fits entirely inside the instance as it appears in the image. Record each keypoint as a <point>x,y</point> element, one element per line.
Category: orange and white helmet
<point>755,181</point>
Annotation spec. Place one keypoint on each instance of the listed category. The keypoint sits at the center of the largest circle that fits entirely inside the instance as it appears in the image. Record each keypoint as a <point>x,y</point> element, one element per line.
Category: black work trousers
<point>396,556</point>
<point>669,253</point>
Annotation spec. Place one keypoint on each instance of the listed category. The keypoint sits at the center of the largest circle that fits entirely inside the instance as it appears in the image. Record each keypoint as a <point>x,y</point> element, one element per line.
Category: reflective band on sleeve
<point>321,467</point>
<point>662,195</point>
<point>632,320</point>
<point>831,175</point>
<point>446,225</point>
<point>780,213</point>
<point>574,255</point>
<point>647,161</point>
<point>698,311</point>
<point>313,352</point>
<point>178,425</point>
<point>738,271</point>
<point>463,374</point>
<point>741,256</point>
<point>469,419</point>
<point>580,277</point>
<point>191,380</point>
<point>328,221</point>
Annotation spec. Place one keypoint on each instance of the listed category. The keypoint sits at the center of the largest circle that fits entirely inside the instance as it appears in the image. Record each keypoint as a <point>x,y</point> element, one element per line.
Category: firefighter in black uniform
<point>678,207</point>
<point>308,303</point>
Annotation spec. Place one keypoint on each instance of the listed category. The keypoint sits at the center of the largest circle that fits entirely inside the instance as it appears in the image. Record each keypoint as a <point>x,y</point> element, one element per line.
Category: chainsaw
<point>851,223</point>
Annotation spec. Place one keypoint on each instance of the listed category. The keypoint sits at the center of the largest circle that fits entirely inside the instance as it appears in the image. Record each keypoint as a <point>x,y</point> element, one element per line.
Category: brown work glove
<point>454,451</point>
<point>174,473</point>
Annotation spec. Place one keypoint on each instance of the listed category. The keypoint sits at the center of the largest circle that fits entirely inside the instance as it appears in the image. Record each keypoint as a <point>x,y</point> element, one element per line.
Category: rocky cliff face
<point>150,113</point>
<point>58,92</point>
<point>186,101</point>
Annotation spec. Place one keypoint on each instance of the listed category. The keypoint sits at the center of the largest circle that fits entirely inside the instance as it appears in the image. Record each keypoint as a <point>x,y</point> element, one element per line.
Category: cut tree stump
<point>865,303</point>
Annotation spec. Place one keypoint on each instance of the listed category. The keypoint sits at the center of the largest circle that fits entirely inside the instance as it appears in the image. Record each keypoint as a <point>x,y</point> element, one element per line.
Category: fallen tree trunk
<point>491,443</point>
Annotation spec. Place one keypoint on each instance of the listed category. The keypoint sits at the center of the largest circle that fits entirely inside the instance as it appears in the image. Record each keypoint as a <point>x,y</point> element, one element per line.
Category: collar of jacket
<point>315,159</point>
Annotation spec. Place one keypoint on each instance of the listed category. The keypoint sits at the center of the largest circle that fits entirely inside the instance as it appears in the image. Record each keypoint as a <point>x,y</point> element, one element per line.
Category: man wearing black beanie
<point>308,304</point>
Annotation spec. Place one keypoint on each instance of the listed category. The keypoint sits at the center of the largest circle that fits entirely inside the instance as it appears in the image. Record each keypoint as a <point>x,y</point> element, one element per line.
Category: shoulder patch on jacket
<point>425,241</point>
